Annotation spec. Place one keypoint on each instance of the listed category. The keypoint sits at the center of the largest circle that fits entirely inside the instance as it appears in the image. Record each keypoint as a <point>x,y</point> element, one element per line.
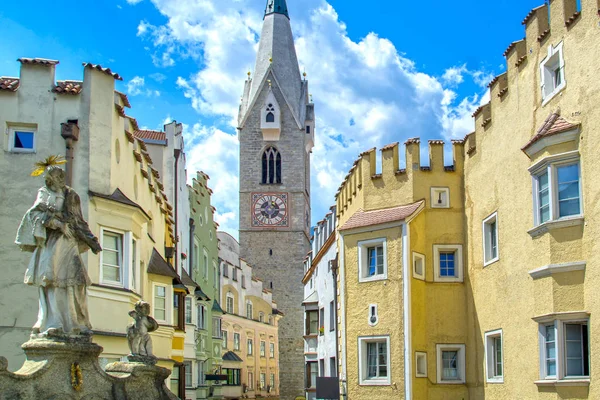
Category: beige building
<point>474,278</point>
<point>122,199</point>
<point>250,328</point>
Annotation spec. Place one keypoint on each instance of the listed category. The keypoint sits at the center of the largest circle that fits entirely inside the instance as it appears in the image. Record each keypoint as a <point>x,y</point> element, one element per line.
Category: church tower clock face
<point>270,210</point>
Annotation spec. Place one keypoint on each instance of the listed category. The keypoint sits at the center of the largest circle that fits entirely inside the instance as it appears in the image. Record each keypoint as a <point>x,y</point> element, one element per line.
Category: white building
<point>320,305</point>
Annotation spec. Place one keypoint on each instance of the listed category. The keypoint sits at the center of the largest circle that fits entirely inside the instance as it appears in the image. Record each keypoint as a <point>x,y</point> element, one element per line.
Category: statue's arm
<point>81,229</point>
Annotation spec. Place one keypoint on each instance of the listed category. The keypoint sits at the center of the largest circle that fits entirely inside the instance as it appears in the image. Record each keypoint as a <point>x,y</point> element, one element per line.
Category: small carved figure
<point>56,233</point>
<point>138,332</point>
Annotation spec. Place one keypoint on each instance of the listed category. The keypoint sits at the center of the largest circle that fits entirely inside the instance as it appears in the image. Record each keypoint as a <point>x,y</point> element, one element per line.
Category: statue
<point>138,333</point>
<point>56,233</point>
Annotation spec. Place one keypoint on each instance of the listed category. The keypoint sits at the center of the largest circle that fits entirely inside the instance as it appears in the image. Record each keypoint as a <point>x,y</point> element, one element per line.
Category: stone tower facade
<point>276,132</point>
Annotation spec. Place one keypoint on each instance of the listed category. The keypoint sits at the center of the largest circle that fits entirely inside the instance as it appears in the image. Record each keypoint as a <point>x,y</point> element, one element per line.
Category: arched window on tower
<point>270,113</point>
<point>271,166</point>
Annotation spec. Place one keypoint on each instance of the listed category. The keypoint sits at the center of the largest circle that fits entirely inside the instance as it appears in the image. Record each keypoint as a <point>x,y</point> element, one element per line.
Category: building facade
<point>250,328</point>
<point>121,198</point>
<point>276,132</point>
<point>320,305</point>
<point>475,278</point>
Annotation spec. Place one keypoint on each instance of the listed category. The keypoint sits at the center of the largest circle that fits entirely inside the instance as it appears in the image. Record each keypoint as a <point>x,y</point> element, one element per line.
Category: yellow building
<point>122,198</point>
<point>476,280</point>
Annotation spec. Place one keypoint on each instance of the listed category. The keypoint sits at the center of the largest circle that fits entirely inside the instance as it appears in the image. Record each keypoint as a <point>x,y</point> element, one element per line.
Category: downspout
<point>342,268</point>
<point>70,132</point>
<point>407,312</point>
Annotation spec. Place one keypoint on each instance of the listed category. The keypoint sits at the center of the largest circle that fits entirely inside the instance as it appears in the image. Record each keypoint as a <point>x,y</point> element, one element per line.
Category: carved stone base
<point>68,369</point>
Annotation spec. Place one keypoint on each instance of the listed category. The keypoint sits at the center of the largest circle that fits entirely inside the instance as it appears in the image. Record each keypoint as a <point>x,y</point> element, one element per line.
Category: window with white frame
<point>250,381</point>
<point>374,360</point>
<point>112,258</point>
<point>216,324</point>
<point>490,239</point>
<point>418,266</point>
<point>263,380</point>
<point>564,350</point>
<point>189,367</point>
<point>234,273</point>
<point>201,317</point>
<point>494,363</point>
<point>236,341</point>
<point>249,313</point>
<point>250,344</point>
<point>225,270</point>
<point>331,316</point>
<point>450,363</point>
<point>215,275</point>
<point>224,335</point>
<point>160,303</point>
<point>263,348</point>
<point>440,197</point>
<point>22,139</point>
<point>271,350</point>
<point>205,260</point>
<point>420,364</point>
<point>448,263</point>
<point>372,260</point>
<point>229,303</point>
<point>552,72</point>
<point>196,256</point>
<point>188,310</point>
<point>272,381</point>
<point>201,373</point>
<point>557,190</point>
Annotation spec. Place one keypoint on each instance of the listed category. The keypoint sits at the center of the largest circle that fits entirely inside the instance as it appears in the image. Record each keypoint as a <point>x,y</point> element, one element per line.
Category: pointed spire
<point>277,7</point>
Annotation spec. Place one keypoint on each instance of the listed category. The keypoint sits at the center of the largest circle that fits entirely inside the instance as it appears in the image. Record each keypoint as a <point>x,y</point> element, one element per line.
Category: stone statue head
<point>142,308</point>
<point>55,178</point>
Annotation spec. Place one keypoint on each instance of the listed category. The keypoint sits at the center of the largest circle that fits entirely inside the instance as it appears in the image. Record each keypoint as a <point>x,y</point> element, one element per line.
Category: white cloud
<point>134,2</point>
<point>158,77</point>
<point>137,86</point>
<point>367,92</point>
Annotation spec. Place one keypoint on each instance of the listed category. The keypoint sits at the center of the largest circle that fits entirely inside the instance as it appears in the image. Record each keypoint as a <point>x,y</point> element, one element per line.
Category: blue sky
<point>380,71</point>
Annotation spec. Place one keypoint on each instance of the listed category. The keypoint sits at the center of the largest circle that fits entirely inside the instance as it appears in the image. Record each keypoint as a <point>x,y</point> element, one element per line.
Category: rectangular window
<point>272,381</point>
<point>576,350</point>
<point>188,310</point>
<point>450,363</point>
<point>493,357</point>
<point>201,373</point>
<point>420,364</point>
<point>225,270</point>
<point>263,348</point>
<point>568,190</point>
<point>22,140</point>
<point>243,281</point>
<point>188,374</point>
<point>272,350</point>
<point>224,335</point>
<point>312,322</point>
<point>234,271</point>
<point>490,239</point>
<point>372,260</point>
<point>565,348</point>
<point>322,367</point>
<point>229,304</point>
<point>236,341</point>
<point>332,367</point>
<point>196,255</point>
<point>374,362</point>
<point>201,316</point>
<point>112,257</point>
<point>160,303</point>
<point>216,325</point>
<point>331,316</point>
<point>418,266</point>
<point>322,321</point>
<point>552,73</point>
<point>448,263</point>
<point>311,374</point>
<point>263,380</point>
<point>250,343</point>
<point>543,198</point>
<point>175,380</point>
<point>233,376</point>
<point>205,270</point>
<point>250,381</point>
<point>134,266</point>
<point>249,310</point>
<point>447,268</point>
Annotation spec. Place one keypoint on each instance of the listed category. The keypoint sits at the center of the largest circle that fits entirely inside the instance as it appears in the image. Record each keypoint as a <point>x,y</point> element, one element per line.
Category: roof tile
<point>150,135</point>
<point>102,69</point>
<point>553,125</point>
<point>9,84</point>
<point>68,87</point>
<point>37,61</point>
<point>376,217</point>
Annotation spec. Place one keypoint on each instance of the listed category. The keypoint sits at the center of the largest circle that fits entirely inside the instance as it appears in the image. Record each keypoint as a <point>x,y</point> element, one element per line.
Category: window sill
<point>375,382</point>
<point>492,261</point>
<point>495,380</point>
<point>556,224</point>
<point>457,382</point>
<point>556,91</point>
<point>440,279</point>
<point>374,278</point>
<point>563,382</point>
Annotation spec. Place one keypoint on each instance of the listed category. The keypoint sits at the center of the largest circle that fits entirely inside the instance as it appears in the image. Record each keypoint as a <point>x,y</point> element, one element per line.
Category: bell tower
<point>276,132</point>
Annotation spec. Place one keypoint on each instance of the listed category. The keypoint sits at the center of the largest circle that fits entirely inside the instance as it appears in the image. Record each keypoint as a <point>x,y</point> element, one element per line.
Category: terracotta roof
<point>436,142</point>
<point>68,87</point>
<point>389,146</point>
<point>376,217</point>
<point>531,14</point>
<point>553,125</point>
<point>37,61</point>
<point>510,47</point>
<point>105,70</point>
<point>458,141</point>
<point>150,135</point>
<point>415,140</point>
<point>364,153</point>
<point>478,110</point>
<point>124,99</point>
<point>10,84</point>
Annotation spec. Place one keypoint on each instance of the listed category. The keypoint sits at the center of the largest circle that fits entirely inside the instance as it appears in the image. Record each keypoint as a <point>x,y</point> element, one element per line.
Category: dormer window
<point>270,113</point>
<point>270,119</point>
<point>552,72</point>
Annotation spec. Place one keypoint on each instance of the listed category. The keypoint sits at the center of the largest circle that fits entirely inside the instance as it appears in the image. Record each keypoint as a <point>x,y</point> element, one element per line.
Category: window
<point>249,310</point>
<point>450,363</point>
<point>557,190</point>
<point>312,322</point>
<point>261,317</point>
<point>373,316</point>
<point>263,380</point>
<point>420,364</point>
<point>250,381</point>
<point>322,321</point>
<point>243,282</point>
<point>490,239</point>
<point>564,350</point>
<point>229,303</point>
<point>372,260</point>
<point>225,270</point>
<point>216,325</point>
<point>263,348</point>
<point>196,254</point>
<point>201,373</point>
<point>311,374</point>
<point>552,72</point>
<point>271,166</point>
<point>201,317</point>
<point>331,316</point>
<point>236,341</point>
<point>22,140</point>
<point>440,197</point>
<point>448,263</point>
<point>234,272</point>
<point>175,380</point>
<point>233,376</point>
<point>215,275</point>
<point>205,266</point>
<point>332,367</point>
<point>270,320</point>
<point>272,381</point>
<point>135,273</point>
<point>272,350</point>
<point>493,357</point>
<point>373,359</point>
<point>160,303</point>
<point>419,266</point>
<point>224,335</point>
<point>322,367</point>
<point>112,257</point>
<point>270,113</point>
<point>188,374</point>
<point>250,343</point>
<point>188,310</point>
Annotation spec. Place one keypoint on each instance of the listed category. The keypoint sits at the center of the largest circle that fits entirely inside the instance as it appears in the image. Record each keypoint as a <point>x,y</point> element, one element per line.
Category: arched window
<point>271,166</point>
<point>270,113</point>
